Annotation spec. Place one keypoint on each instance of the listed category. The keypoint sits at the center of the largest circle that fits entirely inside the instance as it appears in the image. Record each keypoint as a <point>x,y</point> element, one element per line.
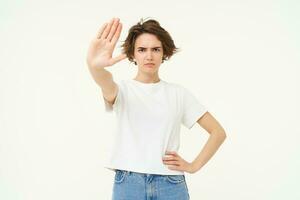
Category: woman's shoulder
<point>175,85</point>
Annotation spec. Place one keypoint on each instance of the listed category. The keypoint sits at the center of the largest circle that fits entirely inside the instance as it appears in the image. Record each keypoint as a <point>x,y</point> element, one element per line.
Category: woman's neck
<point>147,79</point>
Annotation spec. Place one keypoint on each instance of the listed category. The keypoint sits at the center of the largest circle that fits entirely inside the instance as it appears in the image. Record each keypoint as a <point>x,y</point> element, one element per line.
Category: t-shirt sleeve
<point>193,109</point>
<point>119,98</point>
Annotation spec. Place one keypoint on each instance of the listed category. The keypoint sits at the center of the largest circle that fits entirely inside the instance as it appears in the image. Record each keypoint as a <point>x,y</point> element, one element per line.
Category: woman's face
<point>148,52</point>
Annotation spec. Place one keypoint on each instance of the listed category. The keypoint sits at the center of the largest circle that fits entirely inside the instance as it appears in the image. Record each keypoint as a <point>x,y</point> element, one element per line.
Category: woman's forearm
<point>214,141</point>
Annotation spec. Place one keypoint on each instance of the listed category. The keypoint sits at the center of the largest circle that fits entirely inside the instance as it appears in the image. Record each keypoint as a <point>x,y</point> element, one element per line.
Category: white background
<point>239,58</point>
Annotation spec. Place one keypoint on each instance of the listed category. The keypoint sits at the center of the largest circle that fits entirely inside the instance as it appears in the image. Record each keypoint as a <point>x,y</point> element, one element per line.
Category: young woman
<point>149,114</point>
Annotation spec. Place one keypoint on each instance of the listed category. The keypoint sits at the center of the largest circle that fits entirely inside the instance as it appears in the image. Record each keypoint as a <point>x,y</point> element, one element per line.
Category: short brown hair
<point>153,27</point>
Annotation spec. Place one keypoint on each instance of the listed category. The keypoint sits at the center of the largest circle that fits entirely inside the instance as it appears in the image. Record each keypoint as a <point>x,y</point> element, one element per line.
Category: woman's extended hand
<point>175,162</point>
<point>102,46</point>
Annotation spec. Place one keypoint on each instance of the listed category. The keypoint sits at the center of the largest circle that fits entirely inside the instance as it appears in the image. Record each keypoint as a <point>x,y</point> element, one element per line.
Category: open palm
<point>101,48</point>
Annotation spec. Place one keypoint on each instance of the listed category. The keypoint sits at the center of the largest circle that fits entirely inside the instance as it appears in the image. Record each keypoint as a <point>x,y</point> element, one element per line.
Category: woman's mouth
<point>149,64</point>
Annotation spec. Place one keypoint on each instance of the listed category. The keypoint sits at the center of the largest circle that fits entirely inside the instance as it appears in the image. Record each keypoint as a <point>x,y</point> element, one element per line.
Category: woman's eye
<point>141,50</point>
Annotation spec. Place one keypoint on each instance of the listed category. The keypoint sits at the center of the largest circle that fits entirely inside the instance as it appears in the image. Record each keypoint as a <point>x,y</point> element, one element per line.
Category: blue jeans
<point>141,186</point>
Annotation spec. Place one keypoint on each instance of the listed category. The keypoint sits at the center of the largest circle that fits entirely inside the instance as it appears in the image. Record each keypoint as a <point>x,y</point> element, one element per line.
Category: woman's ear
<point>134,61</point>
<point>163,59</point>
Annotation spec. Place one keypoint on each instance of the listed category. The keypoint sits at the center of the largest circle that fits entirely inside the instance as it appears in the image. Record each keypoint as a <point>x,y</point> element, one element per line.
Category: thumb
<point>118,58</point>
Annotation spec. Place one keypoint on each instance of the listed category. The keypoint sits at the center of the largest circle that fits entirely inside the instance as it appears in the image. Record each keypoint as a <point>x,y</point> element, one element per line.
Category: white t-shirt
<point>149,117</point>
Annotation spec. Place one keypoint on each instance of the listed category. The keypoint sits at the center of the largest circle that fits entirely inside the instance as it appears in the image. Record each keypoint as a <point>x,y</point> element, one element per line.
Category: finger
<point>107,29</point>
<point>101,31</point>
<point>174,168</point>
<point>170,158</point>
<point>113,29</point>
<point>118,58</point>
<point>171,153</point>
<point>117,34</point>
<point>172,163</point>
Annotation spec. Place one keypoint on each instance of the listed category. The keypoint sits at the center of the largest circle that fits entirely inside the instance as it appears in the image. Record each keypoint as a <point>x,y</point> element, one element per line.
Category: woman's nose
<point>149,55</point>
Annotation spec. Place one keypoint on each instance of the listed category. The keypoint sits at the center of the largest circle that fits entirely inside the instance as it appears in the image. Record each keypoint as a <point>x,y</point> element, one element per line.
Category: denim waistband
<point>146,174</point>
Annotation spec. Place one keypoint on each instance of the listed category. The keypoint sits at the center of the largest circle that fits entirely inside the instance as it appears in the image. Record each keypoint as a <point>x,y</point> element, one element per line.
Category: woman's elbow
<point>221,134</point>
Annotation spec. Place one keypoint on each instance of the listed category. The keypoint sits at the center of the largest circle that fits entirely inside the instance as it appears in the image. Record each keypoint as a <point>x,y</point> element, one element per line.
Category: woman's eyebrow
<point>151,48</point>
